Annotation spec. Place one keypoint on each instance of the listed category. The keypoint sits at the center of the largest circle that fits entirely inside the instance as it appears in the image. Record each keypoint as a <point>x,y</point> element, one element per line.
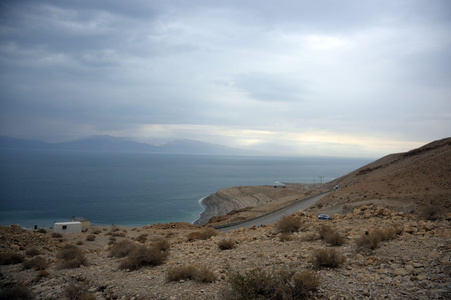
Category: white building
<point>67,227</point>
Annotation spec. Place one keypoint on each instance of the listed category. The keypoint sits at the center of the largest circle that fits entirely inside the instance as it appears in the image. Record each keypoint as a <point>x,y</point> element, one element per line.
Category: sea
<point>40,187</point>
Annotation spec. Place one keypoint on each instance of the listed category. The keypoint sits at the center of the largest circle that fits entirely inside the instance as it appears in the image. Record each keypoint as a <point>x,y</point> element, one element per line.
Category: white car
<point>324,217</point>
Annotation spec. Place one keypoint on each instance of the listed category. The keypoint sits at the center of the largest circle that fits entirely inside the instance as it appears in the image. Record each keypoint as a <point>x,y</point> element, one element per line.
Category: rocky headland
<point>391,240</point>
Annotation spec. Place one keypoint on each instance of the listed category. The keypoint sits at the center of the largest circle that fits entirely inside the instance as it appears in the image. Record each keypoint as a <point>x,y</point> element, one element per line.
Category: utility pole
<point>321,181</point>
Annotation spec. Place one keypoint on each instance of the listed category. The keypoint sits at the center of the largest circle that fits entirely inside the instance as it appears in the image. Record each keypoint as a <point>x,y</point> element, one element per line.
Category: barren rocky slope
<point>392,195</point>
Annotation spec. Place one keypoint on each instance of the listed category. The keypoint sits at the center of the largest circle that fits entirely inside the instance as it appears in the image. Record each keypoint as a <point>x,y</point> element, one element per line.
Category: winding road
<point>273,217</point>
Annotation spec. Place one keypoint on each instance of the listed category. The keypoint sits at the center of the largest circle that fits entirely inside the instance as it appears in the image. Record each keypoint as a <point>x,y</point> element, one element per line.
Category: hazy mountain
<point>110,143</point>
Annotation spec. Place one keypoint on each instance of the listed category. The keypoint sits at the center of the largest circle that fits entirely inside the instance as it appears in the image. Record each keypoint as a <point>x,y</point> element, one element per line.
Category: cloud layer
<point>350,78</point>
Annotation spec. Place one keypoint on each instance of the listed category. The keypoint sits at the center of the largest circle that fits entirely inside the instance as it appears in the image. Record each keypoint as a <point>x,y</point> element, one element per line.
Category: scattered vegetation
<point>289,224</point>
<point>72,257</point>
<point>330,235</point>
<point>36,263</point>
<point>41,230</point>
<point>205,234</point>
<point>90,237</point>
<point>10,258</point>
<point>162,245</point>
<point>32,252</point>
<point>97,231</point>
<point>57,235</point>
<point>327,258</point>
<point>226,244</point>
<point>144,256</point>
<point>79,243</point>
<point>15,293</point>
<point>282,284</point>
<point>122,248</point>
<point>189,272</point>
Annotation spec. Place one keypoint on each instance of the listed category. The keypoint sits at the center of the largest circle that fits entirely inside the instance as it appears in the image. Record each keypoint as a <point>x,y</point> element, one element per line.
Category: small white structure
<point>67,227</point>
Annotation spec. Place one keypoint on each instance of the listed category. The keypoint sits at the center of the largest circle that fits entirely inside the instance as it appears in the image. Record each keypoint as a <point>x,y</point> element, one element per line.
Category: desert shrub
<point>327,258</point>
<point>42,230</point>
<point>122,248</point>
<point>36,263</point>
<point>289,224</point>
<point>32,252</point>
<point>387,233</point>
<point>143,256</point>
<point>285,237</point>
<point>41,274</point>
<point>331,236</point>
<point>185,272</point>
<point>226,244</point>
<point>16,293</point>
<point>79,243</point>
<point>431,213</point>
<point>162,245</point>
<point>77,291</point>
<point>72,257</point>
<point>282,284</point>
<point>90,237</point>
<point>114,228</point>
<point>205,274</point>
<point>97,231</point>
<point>204,234</point>
<point>142,238</point>
<point>57,235</point>
<point>368,241</point>
<point>10,258</point>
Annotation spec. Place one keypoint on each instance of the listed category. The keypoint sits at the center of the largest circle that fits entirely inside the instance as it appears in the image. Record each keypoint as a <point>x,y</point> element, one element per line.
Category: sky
<point>329,78</point>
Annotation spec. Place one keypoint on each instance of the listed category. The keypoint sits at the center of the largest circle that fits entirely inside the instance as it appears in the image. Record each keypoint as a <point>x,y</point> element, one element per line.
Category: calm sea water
<point>38,187</point>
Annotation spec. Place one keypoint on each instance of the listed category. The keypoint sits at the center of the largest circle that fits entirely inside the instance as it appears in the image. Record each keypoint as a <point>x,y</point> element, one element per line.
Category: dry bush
<point>205,234</point>
<point>310,237</point>
<point>431,213</point>
<point>72,257</point>
<point>142,238</point>
<point>41,274</point>
<point>289,224</point>
<point>57,235</point>
<point>122,248</point>
<point>36,263</point>
<point>78,291</point>
<point>41,230</point>
<point>162,245</point>
<point>286,237</point>
<point>97,231</point>
<point>226,244</point>
<point>32,252</point>
<point>388,233</point>
<point>371,240</point>
<point>90,237</point>
<point>79,243</point>
<point>178,273</point>
<point>205,274</point>
<point>330,236</point>
<point>282,284</point>
<point>10,258</point>
<point>143,256</point>
<point>114,228</point>
<point>16,293</point>
<point>327,258</point>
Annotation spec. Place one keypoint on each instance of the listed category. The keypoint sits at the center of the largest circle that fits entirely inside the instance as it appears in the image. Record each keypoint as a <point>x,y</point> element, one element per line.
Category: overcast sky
<point>337,78</point>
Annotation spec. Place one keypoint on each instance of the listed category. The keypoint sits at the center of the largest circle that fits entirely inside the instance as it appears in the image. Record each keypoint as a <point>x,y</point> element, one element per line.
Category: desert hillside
<point>387,240</point>
<point>405,181</point>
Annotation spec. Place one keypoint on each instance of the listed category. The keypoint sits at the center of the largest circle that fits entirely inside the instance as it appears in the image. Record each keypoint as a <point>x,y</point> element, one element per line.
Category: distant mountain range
<point>110,143</point>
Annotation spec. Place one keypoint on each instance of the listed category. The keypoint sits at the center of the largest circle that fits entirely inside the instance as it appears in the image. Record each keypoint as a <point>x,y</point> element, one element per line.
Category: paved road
<point>275,216</point>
